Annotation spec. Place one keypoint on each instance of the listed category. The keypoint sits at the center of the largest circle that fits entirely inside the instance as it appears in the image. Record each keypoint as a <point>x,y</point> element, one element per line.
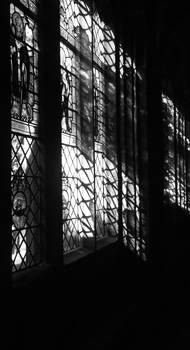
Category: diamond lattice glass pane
<point>26,199</point>
<point>134,154</point>
<point>111,197</point>
<point>88,100</point>
<point>71,238</point>
<point>98,39</point>
<point>26,247</point>
<point>86,195</point>
<point>100,194</point>
<point>110,110</point>
<point>26,150</point>
<point>98,110</point>
<point>83,30</point>
<point>109,49</point>
<point>168,117</point>
<point>176,141</point>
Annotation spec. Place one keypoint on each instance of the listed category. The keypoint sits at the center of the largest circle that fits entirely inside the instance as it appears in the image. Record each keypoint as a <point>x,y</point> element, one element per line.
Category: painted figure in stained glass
<point>20,70</point>
<point>96,112</point>
<point>86,108</point>
<point>20,199</point>
<point>19,192</point>
<point>110,141</point>
<point>66,94</point>
<point>19,203</point>
<point>66,197</point>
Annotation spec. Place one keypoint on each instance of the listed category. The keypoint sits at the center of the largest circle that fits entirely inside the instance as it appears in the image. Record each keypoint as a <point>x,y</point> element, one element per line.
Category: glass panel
<point>99,149</point>
<point>176,154</point>
<point>77,132</point>
<point>111,159</point>
<point>132,100</point>
<point>69,82</point>
<point>24,71</point>
<point>98,39</point>
<point>89,131</point>
<point>88,101</point>
<point>109,49</point>
<point>70,198</point>
<point>168,117</point>
<point>26,174</point>
<point>86,109</point>
<point>83,29</point>
<point>67,19</point>
<point>30,4</point>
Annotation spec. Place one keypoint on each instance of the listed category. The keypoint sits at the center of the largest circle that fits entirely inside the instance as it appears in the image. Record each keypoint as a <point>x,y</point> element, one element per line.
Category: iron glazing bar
<point>175,156</point>
<point>134,139</point>
<point>126,122</point>
<point>183,160</point>
<point>5,144</point>
<point>140,146</point>
<point>186,160</point>
<point>26,10</point>
<point>93,131</point>
<point>180,154</point>
<point>118,137</point>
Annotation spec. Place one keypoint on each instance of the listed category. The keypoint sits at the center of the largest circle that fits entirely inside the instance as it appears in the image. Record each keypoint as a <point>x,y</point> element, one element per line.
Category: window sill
<point>28,277</point>
<point>76,254</point>
<point>104,242</point>
<point>25,278</point>
<point>88,249</point>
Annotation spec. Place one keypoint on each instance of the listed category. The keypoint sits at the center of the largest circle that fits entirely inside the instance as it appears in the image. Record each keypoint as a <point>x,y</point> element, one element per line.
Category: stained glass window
<point>177,154</point>
<point>26,173</point>
<point>89,160</point>
<point>132,112</point>
<point>30,4</point>
<point>89,169</point>
<point>105,114</point>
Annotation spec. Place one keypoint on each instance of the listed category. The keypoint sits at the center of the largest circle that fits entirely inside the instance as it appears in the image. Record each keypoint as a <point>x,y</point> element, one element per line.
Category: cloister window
<point>90,173</point>
<point>89,160</point>
<point>26,172</point>
<point>89,124</point>
<point>134,152</point>
<point>177,154</point>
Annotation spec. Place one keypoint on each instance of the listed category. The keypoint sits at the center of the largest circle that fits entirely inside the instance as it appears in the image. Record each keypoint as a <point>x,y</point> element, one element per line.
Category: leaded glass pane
<point>24,70</point>
<point>109,49</point>
<point>100,197</point>
<point>83,30</point>
<point>68,90</point>
<point>111,159</point>
<point>86,196</point>
<point>176,154</point>
<point>71,238</point>
<point>111,198</point>
<point>26,173</point>
<point>67,19</point>
<point>30,4</point>
<point>168,114</point>
<point>89,151</point>
<point>133,193</point>
<point>98,39</point>
<point>99,151</point>
<point>86,109</point>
